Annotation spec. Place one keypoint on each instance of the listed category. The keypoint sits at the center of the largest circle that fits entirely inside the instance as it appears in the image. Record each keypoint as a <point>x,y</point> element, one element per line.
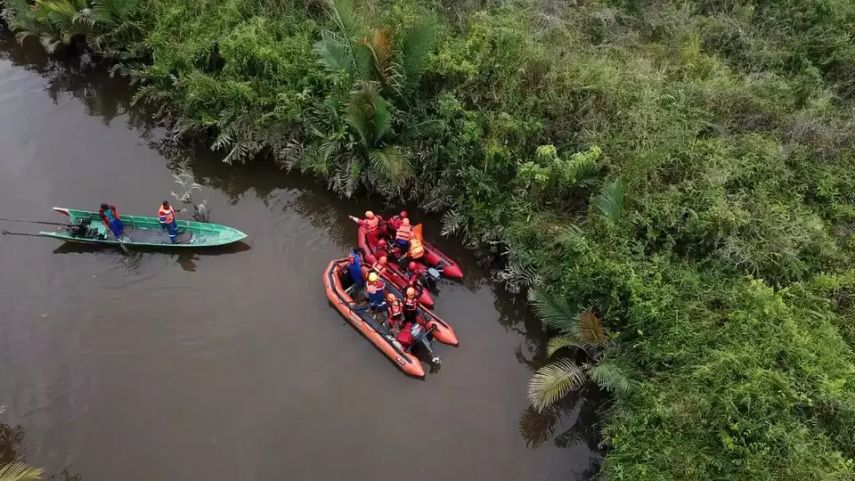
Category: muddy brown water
<point>231,364</point>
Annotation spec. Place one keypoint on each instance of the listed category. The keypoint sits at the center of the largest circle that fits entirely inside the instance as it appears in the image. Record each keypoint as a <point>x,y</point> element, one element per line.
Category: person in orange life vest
<point>411,306</point>
<point>416,250</point>
<point>411,318</point>
<point>166,217</point>
<point>371,224</point>
<point>374,289</point>
<point>403,234</point>
<point>110,217</point>
<point>395,222</point>
<point>394,312</point>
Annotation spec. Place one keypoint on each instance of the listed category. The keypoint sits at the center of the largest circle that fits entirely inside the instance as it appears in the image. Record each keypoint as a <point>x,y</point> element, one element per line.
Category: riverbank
<point>681,171</point>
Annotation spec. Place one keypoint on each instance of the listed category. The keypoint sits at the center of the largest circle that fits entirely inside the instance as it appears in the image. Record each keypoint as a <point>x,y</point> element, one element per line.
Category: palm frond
<point>612,378</point>
<point>19,472</point>
<point>391,165</point>
<point>590,328</point>
<point>334,52</point>
<point>556,313</point>
<point>417,45</point>
<point>557,343</point>
<point>381,43</point>
<point>554,381</point>
<point>610,200</point>
<point>345,17</point>
<point>369,114</point>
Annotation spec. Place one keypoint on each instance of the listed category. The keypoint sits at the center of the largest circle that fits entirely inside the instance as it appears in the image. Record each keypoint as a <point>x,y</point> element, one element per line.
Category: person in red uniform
<point>395,222</point>
<point>394,313</point>
<point>371,224</point>
<point>411,319</point>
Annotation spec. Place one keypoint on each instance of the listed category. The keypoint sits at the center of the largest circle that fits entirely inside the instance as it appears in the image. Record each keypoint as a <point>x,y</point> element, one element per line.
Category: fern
<point>610,201</point>
<point>554,381</point>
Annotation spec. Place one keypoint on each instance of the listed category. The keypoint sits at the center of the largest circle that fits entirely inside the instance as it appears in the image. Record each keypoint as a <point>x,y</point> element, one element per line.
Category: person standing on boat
<point>110,217</point>
<point>374,289</point>
<point>166,217</point>
<point>411,306</point>
<point>394,312</point>
<point>371,224</point>
<point>354,269</point>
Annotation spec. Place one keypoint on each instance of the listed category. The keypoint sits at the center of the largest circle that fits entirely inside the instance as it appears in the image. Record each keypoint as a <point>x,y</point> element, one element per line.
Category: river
<point>231,364</point>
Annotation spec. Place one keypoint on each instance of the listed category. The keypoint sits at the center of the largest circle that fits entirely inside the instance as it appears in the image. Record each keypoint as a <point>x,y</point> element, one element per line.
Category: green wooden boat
<point>86,227</point>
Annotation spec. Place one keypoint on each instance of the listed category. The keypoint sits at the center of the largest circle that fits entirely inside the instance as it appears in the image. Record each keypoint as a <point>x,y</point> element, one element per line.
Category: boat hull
<point>345,305</point>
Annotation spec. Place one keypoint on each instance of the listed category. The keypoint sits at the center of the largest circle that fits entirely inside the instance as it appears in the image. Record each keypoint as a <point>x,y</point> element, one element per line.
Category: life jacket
<point>374,287</point>
<point>411,304</point>
<point>404,232</point>
<point>417,249</point>
<point>395,312</point>
<point>166,216</point>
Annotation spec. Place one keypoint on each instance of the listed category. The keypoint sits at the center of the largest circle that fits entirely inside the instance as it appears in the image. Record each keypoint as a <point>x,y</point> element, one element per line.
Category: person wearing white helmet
<point>371,224</point>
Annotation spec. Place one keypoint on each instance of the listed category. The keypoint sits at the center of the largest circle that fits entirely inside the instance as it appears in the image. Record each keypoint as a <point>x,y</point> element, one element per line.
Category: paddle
<point>34,222</point>
<point>26,234</point>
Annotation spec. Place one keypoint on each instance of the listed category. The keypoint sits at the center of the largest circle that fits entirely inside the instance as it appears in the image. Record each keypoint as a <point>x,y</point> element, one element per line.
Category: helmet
<point>411,292</point>
<point>403,214</point>
<point>406,221</point>
<point>369,214</point>
<point>372,277</point>
<point>384,259</point>
<point>381,242</point>
<point>390,297</point>
<point>412,266</point>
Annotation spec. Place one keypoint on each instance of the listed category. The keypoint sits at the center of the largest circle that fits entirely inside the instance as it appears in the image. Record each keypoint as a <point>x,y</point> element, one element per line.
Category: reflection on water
<point>11,450</point>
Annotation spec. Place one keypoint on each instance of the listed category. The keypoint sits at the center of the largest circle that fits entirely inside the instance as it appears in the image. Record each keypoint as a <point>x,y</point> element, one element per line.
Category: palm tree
<point>19,472</point>
<point>584,332</point>
<point>396,60</point>
<point>374,61</point>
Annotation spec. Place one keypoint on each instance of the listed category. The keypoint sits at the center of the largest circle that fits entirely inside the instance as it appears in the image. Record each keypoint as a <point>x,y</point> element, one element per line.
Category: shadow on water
<point>186,259</point>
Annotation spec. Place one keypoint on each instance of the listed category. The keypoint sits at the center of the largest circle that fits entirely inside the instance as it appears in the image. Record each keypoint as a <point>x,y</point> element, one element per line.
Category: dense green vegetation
<point>680,173</point>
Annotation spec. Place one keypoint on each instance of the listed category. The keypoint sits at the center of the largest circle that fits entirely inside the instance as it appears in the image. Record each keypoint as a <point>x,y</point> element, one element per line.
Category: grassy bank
<point>683,172</point>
